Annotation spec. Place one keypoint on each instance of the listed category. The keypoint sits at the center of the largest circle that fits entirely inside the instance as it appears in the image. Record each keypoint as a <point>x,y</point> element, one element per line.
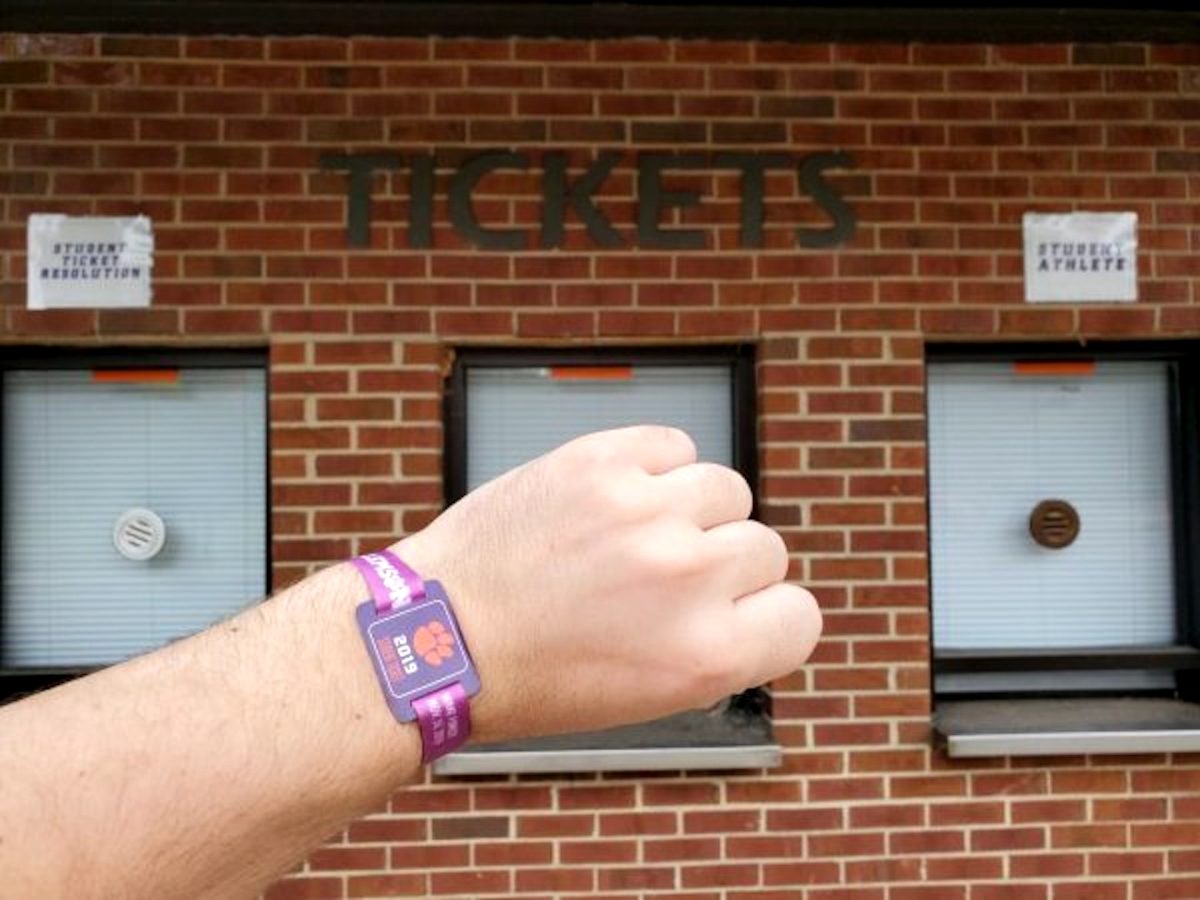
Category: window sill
<point>642,759</point>
<point>1067,727</point>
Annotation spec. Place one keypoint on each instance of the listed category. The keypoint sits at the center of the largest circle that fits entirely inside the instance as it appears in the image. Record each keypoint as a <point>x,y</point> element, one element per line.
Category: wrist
<point>328,600</point>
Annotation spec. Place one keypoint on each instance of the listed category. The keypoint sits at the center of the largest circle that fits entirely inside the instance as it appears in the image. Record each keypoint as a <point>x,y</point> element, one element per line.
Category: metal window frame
<point>1181,658</point>
<point>18,681</point>
<point>740,358</point>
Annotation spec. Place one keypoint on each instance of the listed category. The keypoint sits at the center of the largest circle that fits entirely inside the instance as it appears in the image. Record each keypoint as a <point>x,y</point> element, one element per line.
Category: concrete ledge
<point>501,762</point>
<point>1068,727</point>
<point>1072,743</point>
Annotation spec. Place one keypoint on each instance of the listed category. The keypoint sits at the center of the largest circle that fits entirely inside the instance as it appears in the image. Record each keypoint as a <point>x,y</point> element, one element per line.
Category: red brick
<point>823,791</point>
<point>514,853</point>
<point>926,841</point>
<point>1046,865</point>
<point>796,873</point>
<point>685,794</point>
<point>1129,863</point>
<point>641,878</point>
<point>887,761</point>
<point>927,786</point>
<point>731,875</point>
<point>305,889</point>
<point>860,844</point>
<point>360,409</point>
<point>1083,890</point>
<point>322,550</point>
<point>386,886</point>
<point>965,868</point>
<point>890,871</point>
<point>722,821</point>
<point>887,816</point>
<point>805,819</point>
<point>1009,783</point>
<point>1088,835</point>
<point>1167,889</point>
<point>348,858</point>
<point>1009,891</point>
<point>1167,780</point>
<point>1049,811</point>
<point>1131,809</point>
<point>471,882</point>
<point>1173,834</point>
<point>1088,781</point>
<point>221,321</point>
<point>682,849</point>
<point>594,851</point>
<point>558,825</point>
<point>633,823</point>
<point>1183,861</point>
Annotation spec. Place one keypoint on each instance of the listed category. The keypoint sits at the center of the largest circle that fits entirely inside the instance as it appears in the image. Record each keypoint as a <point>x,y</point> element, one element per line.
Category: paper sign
<point>1082,256</point>
<point>88,261</point>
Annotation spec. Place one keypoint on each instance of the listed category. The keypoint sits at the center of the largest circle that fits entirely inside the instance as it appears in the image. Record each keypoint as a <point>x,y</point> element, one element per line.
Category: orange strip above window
<point>591,373</point>
<point>135,376</point>
<point>1059,367</point>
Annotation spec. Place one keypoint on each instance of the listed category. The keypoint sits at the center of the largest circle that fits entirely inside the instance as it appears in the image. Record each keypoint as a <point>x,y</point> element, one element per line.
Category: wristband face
<point>417,649</point>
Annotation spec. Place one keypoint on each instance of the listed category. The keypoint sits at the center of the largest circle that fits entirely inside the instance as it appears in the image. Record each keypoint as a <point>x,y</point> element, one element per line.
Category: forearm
<point>209,766</point>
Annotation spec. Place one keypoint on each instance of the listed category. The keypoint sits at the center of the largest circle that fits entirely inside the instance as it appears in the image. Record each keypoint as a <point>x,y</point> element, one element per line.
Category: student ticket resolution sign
<point>88,261</point>
<point>1080,257</point>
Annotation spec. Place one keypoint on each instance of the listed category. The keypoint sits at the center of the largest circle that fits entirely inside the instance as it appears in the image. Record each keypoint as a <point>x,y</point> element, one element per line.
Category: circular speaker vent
<point>139,534</point>
<point>1054,524</point>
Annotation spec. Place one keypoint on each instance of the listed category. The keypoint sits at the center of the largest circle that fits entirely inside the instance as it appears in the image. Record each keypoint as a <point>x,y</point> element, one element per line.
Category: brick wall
<point>218,138</point>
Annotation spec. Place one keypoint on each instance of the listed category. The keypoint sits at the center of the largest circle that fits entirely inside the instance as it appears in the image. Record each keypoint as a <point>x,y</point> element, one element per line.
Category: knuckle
<point>777,553</point>
<point>810,612</point>
<point>588,449</point>
<point>623,495</point>
<point>741,495</point>
<point>668,554</point>
<point>728,486</point>
<point>669,434</point>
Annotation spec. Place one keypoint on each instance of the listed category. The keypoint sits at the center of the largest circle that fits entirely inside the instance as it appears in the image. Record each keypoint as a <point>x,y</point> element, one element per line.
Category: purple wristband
<point>445,720</point>
<point>417,651</point>
<point>391,581</point>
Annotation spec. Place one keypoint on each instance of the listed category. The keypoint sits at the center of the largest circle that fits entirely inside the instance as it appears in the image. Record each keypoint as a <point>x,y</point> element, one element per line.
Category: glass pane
<point>76,455</point>
<point>999,442</point>
<point>514,415</point>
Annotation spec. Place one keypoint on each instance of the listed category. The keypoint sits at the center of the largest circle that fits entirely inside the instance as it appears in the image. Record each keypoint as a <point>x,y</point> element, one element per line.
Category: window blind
<point>999,442</point>
<point>77,452</point>
<point>516,414</point>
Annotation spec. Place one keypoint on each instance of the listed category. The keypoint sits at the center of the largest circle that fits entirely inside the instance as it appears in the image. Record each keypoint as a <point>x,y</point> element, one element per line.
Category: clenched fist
<point>611,581</point>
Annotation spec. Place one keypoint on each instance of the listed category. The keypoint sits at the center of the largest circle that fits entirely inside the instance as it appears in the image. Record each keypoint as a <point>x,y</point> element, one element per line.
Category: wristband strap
<point>418,652</point>
<point>391,581</point>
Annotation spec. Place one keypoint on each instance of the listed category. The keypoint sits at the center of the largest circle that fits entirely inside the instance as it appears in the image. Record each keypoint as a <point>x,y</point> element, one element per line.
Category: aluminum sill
<point>1036,727</point>
<point>1069,743</point>
<point>504,762</point>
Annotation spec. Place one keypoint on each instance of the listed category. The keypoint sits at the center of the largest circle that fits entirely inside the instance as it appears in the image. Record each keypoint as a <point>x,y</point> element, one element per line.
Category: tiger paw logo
<point>433,643</point>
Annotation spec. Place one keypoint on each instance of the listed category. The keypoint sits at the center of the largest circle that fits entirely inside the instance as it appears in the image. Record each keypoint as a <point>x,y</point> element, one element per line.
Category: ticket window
<point>505,407</point>
<point>1061,522</point>
<point>134,504</point>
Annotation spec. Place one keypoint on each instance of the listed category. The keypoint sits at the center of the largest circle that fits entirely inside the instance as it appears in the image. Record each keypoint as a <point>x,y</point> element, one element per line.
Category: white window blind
<point>514,415</point>
<point>76,454</point>
<point>999,442</point>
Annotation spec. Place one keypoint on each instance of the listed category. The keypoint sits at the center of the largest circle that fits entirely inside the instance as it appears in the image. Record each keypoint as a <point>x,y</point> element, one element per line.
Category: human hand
<point>611,581</point>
